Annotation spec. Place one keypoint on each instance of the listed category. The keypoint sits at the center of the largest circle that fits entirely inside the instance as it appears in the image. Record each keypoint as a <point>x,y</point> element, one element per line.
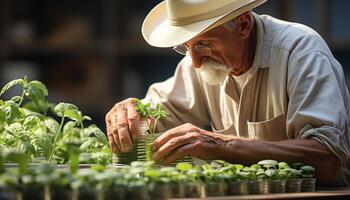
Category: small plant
<point>148,113</point>
<point>28,125</point>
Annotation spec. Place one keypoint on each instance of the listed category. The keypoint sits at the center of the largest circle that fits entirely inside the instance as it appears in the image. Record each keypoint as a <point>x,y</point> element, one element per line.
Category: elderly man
<point>268,89</point>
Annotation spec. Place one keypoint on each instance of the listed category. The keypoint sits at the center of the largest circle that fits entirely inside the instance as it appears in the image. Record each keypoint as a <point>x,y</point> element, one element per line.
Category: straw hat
<point>173,22</point>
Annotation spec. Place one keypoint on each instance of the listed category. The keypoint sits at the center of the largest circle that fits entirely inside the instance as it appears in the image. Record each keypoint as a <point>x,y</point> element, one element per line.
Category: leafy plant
<point>148,113</point>
<point>28,125</point>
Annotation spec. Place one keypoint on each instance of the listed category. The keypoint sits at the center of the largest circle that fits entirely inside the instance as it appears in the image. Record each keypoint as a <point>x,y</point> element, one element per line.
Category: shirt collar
<point>262,52</point>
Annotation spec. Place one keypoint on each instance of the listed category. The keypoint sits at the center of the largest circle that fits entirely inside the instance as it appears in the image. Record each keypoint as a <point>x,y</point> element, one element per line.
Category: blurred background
<point>91,52</point>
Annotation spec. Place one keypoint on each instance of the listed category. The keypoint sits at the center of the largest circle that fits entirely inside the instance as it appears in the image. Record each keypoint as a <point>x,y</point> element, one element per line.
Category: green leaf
<point>12,84</point>
<point>297,165</point>
<point>184,166</point>
<point>238,167</point>
<point>38,86</point>
<point>271,172</point>
<point>143,109</point>
<point>159,112</point>
<point>61,110</point>
<point>44,141</point>
<point>12,112</point>
<point>153,174</point>
<point>283,165</point>
<point>15,128</point>
<point>308,169</point>
<point>52,125</point>
<point>31,122</point>
<point>268,163</point>
<point>98,133</point>
<point>2,115</point>
<point>16,99</point>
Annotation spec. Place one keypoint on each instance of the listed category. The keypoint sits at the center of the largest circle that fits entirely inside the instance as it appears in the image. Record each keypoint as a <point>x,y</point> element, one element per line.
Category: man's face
<point>207,55</point>
<point>222,51</point>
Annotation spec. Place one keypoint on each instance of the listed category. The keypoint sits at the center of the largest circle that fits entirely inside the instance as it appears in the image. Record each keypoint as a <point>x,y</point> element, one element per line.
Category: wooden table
<point>321,193</point>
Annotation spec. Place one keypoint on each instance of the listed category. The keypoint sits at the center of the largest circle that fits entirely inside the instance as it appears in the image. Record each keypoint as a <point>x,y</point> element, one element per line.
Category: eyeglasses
<point>200,49</point>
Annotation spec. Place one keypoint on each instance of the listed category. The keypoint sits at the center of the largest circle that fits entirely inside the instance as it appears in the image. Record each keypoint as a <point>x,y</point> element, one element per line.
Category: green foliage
<point>25,126</point>
<point>147,112</point>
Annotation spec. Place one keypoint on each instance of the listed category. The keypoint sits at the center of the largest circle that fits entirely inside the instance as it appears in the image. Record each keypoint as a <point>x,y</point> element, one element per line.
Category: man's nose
<point>196,59</point>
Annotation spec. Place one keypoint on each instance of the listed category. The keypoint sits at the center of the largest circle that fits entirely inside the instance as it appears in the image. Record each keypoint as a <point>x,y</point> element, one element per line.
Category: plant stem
<point>149,125</point>
<point>155,125</point>
<point>82,126</point>
<point>55,140</point>
<point>22,97</point>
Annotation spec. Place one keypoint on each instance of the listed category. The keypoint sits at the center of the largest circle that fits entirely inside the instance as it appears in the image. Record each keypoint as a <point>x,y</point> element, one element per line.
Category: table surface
<point>320,193</point>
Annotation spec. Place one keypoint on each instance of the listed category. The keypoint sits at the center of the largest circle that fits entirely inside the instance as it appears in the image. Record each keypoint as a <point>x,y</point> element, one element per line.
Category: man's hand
<point>188,140</point>
<point>122,123</point>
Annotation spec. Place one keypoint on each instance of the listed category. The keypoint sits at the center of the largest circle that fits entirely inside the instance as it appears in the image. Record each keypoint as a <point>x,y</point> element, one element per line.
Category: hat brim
<point>158,32</point>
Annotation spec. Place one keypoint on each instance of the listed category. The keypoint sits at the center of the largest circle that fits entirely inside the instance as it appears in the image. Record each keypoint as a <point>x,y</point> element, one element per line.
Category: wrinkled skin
<point>187,140</point>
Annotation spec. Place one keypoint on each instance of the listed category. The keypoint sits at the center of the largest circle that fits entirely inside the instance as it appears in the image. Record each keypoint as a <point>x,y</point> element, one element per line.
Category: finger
<point>179,153</point>
<point>175,132</point>
<point>173,144</point>
<point>133,119</point>
<point>123,129</point>
<point>112,143</point>
<point>112,132</point>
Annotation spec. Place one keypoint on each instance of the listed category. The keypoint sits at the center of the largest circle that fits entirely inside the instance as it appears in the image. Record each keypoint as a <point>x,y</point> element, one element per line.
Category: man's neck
<point>249,53</point>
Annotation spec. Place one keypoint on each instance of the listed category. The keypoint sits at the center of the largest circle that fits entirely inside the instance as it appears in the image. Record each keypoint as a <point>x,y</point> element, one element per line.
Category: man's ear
<point>245,24</point>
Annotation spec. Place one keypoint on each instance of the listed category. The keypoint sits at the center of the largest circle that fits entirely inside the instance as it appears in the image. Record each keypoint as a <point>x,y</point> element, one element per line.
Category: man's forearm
<point>308,151</point>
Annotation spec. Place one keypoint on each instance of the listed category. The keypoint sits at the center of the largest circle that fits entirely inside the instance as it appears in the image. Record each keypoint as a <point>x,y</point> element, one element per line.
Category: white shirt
<point>297,90</point>
<point>241,80</point>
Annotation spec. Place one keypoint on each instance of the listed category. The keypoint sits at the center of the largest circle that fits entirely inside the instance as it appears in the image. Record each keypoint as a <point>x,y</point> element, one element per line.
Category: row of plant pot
<point>146,180</point>
<point>143,190</point>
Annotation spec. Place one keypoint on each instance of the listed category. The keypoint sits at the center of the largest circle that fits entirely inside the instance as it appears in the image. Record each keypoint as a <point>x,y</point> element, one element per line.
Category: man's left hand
<point>188,140</point>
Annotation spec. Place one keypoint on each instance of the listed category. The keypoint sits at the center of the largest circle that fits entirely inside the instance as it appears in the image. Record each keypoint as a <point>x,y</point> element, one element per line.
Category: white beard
<point>213,72</point>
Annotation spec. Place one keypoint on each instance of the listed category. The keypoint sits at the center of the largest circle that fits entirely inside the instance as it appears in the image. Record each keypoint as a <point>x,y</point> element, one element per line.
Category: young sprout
<point>148,113</point>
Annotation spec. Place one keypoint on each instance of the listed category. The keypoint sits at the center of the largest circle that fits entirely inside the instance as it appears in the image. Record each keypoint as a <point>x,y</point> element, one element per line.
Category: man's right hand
<point>122,123</point>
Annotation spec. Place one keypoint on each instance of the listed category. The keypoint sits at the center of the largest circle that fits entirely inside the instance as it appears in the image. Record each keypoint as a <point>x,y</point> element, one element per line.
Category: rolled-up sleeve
<point>318,101</point>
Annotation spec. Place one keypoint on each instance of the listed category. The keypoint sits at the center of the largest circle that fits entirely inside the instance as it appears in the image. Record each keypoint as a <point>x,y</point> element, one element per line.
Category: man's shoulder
<point>291,36</point>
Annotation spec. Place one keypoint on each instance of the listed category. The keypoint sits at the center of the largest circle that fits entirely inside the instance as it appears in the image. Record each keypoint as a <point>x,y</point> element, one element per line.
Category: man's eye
<point>206,43</point>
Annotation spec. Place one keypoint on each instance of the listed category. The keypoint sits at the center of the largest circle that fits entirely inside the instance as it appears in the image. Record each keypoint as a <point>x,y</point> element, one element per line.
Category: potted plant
<point>30,187</point>
<point>151,116</point>
<point>110,186</point>
<point>135,181</point>
<point>257,183</point>
<point>272,173</point>
<point>214,181</point>
<point>191,179</point>
<point>27,124</point>
<point>59,184</point>
<point>9,186</point>
<point>238,181</point>
<point>293,177</point>
<point>177,180</point>
<point>308,183</point>
<point>159,184</point>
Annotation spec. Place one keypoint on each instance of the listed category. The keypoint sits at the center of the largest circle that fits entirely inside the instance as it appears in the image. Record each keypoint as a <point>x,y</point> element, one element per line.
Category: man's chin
<point>213,72</point>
